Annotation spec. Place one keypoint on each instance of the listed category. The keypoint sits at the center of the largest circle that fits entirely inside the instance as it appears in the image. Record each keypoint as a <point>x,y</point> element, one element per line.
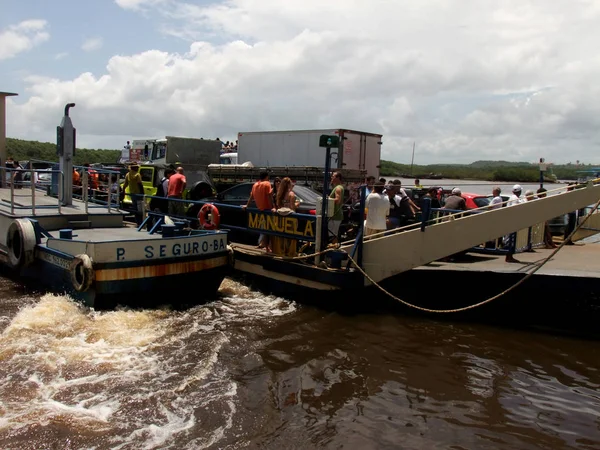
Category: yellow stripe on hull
<point>130,273</point>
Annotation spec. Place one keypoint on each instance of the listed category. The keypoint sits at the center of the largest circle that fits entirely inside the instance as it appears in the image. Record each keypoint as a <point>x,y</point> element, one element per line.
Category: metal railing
<point>99,191</point>
<point>103,195</point>
<point>13,179</point>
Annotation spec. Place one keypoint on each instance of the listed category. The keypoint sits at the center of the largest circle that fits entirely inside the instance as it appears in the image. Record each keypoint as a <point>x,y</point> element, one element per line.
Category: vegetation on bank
<point>22,150</point>
<point>483,170</point>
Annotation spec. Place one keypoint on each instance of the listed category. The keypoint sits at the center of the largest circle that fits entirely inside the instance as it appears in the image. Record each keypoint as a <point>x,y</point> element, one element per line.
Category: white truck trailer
<point>358,150</point>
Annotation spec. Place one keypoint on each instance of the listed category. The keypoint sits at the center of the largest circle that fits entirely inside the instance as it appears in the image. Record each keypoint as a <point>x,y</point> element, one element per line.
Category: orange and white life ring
<point>209,216</point>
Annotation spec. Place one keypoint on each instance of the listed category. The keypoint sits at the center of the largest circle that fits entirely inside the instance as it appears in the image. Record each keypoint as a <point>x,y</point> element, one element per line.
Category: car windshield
<point>306,194</point>
<point>482,201</point>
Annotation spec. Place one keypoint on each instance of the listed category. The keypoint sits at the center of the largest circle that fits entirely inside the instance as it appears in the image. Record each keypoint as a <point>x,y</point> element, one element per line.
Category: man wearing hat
<point>456,201</point>
<point>511,239</point>
<point>515,198</point>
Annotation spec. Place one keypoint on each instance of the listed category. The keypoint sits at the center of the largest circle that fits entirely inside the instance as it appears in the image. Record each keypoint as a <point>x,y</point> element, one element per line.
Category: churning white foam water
<point>124,378</point>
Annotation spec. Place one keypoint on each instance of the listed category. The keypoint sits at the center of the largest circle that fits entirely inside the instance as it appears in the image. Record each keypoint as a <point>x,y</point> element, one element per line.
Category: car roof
<point>473,195</point>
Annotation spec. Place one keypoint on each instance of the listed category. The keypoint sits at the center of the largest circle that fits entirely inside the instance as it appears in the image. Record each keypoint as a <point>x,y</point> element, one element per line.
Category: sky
<point>462,80</point>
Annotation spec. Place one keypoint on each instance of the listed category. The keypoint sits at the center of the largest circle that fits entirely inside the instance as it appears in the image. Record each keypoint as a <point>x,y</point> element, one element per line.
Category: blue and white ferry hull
<point>104,266</point>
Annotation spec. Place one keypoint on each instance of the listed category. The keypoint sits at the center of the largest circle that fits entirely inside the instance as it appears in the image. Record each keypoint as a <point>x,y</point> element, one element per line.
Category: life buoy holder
<point>212,222</point>
<point>20,242</point>
<point>82,272</point>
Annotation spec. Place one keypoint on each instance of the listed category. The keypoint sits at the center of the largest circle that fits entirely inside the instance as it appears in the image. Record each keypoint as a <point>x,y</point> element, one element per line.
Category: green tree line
<point>22,150</point>
<point>483,170</point>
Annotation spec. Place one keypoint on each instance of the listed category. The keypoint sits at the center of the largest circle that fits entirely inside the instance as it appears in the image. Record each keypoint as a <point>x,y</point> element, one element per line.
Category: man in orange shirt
<point>76,182</point>
<point>262,194</point>
<point>177,183</point>
<point>92,178</point>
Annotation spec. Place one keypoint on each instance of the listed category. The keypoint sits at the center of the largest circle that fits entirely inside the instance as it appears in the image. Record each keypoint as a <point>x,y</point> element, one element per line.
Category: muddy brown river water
<point>256,371</point>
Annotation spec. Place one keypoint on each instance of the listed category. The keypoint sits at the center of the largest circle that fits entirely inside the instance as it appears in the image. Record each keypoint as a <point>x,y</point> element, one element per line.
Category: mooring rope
<point>536,267</point>
<point>241,249</point>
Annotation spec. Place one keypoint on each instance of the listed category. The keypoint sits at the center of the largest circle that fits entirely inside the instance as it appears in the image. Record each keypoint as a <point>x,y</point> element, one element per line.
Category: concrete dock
<point>582,259</point>
<point>562,297</point>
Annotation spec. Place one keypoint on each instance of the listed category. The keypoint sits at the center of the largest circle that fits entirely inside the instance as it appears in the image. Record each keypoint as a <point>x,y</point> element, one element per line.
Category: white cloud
<point>92,44</point>
<point>22,37</point>
<point>471,80</point>
<point>60,56</point>
<point>137,4</point>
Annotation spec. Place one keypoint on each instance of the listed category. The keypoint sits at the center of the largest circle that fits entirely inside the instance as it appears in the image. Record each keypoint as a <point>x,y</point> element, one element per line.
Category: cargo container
<point>358,150</point>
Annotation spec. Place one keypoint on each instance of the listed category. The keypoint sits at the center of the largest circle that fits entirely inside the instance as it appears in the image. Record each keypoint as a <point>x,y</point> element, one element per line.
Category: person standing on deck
<point>395,216</point>
<point>114,189</point>
<point>409,208</point>
<point>529,195</point>
<point>548,241</point>
<point>370,184</point>
<point>76,182</point>
<point>285,203</point>
<point>176,186</point>
<point>510,240</point>
<point>92,180</point>
<point>10,162</point>
<point>496,201</point>
<point>160,203</point>
<point>456,201</point>
<point>18,175</point>
<point>262,194</point>
<point>125,153</point>
<point>377,207</point>
<point>337,193</point>
<point>133,181</point>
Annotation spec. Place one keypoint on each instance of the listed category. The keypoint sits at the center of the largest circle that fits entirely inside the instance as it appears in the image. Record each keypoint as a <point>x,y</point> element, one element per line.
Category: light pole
<point>326,141</point>
<point>543,167</point>
<point>3,153</point>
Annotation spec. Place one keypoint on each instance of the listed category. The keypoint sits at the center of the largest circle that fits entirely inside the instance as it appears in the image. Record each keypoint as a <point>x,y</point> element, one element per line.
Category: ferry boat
<point>88,251</point>
<point>365,262</point>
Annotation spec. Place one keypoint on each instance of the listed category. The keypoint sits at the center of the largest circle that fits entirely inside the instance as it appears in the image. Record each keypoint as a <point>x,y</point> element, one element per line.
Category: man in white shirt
<point>377,207</point>
<point>515,198</point>
<point>510,239</point>
<point>125,153</point>
<point>497,200</point>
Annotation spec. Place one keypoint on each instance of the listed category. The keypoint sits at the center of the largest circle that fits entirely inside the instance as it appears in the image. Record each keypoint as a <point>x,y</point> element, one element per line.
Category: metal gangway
<point>388,254</point>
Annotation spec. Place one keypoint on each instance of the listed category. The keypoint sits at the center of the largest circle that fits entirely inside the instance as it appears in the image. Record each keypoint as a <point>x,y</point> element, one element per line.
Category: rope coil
<point>286,258</point>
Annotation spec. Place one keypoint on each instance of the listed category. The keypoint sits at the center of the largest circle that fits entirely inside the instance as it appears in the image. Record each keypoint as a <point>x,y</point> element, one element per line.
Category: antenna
<point>412,160</point>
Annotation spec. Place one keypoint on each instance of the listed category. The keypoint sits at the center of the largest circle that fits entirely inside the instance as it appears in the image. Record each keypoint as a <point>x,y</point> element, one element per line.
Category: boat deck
<point>109,234</point>
<point>46,205</point>
<point>125,233</point>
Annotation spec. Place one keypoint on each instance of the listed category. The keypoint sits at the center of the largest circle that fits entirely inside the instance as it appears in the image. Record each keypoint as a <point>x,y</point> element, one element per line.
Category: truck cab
<point>228,158</point>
